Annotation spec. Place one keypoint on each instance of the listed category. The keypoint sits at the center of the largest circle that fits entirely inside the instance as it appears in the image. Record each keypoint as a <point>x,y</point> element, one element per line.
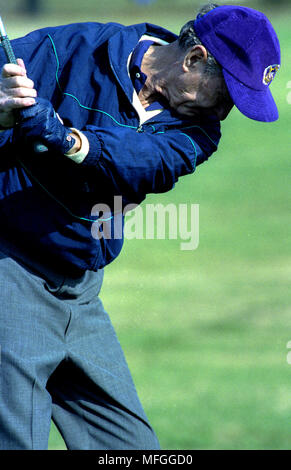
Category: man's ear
<point>196,54</point>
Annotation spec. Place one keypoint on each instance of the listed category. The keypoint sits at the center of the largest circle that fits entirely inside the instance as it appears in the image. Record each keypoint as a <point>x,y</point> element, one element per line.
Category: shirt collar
<point>137,76</point>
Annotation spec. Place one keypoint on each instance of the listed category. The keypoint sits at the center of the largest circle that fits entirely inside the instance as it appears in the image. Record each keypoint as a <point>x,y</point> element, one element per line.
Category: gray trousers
<point>61,359</point>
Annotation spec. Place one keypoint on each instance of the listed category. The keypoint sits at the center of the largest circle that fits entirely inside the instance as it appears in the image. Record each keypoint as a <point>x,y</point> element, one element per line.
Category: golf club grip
<point>37,146</point>
<point>8,50</point>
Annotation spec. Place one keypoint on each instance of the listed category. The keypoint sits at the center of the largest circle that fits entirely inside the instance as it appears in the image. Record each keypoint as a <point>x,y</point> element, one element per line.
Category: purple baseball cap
<point>244,43</point>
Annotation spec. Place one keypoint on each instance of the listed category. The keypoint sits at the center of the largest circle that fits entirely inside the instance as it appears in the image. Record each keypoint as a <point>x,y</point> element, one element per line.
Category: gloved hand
<point>41,123</point>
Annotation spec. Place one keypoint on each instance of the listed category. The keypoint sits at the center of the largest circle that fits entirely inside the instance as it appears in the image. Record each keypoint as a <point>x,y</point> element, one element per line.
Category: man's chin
<point>193,114</point>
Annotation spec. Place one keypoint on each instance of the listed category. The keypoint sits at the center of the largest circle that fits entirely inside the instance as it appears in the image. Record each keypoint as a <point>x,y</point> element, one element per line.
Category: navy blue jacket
<point>46,199</point>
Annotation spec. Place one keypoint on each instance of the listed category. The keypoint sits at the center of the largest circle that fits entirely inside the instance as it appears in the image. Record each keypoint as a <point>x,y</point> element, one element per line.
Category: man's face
<point>193,94</point>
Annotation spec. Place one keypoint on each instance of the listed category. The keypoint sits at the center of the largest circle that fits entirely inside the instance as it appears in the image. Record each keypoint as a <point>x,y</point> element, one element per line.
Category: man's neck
<point>156,64</point>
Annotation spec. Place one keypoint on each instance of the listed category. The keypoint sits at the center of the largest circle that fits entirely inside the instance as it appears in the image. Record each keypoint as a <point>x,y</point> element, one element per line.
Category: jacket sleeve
<point>134,164</point>
<point>5,142</point>
<point>37,51</point>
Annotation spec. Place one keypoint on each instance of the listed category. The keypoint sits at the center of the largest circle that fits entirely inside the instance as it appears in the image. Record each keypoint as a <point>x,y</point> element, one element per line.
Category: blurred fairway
<point>205,332</point>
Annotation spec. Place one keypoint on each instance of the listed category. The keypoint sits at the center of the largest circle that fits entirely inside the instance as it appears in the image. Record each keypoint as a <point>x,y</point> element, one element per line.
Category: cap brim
<point>255,104</point>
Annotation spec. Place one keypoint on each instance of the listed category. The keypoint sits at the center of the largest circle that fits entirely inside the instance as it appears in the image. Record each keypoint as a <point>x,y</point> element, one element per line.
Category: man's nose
<point>222,110</point>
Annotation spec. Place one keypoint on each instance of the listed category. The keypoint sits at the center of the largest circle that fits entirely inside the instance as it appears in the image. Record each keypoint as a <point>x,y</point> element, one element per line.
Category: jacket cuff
<point>95,148</point>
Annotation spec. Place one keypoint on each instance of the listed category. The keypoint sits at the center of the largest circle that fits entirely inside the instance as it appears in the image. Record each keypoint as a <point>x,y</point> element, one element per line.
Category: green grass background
<point>205,332</point>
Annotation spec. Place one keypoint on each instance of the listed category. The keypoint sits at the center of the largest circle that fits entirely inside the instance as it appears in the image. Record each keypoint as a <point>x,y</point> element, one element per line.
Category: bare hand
<point>16,92</point>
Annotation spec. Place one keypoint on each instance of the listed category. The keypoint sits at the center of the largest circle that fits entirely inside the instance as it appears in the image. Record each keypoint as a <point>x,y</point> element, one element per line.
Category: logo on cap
<point>269,73</point>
